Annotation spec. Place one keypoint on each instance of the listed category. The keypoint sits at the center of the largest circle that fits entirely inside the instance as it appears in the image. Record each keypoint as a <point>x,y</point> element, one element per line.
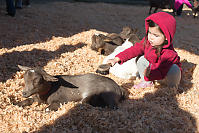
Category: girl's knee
<point>142,61</point>
<point>173,76</point>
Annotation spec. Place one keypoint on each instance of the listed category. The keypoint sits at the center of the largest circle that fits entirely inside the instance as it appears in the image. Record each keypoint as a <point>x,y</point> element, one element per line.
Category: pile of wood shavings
<point>63,47</point>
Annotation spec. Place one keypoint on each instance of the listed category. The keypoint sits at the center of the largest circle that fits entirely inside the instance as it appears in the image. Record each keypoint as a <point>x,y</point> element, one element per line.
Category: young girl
<point>159,60</point>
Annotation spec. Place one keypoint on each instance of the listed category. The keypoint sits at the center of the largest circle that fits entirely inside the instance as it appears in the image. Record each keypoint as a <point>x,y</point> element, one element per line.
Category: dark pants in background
<point>10,7</point>
<point>179,11</point>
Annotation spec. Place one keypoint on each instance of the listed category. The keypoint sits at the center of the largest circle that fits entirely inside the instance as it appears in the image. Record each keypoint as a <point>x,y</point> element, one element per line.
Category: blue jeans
<point>179,11</point>
<point>172,78</point>
<point>10,7</point>
<point>18,4</point>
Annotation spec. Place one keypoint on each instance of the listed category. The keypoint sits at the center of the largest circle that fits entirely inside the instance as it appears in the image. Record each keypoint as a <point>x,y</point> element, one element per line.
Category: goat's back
<point>97,90</point>
<point>93,83</point>
<point>91,88</point>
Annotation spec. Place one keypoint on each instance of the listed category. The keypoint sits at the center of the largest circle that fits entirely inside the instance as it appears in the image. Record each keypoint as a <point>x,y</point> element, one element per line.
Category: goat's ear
<point>24,68</point>
<point>48,77</point>
<point>107,40</point>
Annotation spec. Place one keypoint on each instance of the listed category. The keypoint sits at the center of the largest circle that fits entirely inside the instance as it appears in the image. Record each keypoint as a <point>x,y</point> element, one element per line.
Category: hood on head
<point>167,24</point>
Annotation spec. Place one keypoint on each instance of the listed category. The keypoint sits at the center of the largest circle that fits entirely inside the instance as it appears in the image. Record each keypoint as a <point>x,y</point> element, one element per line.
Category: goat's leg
<point>26,102</point>
<point>110,100</point>
<point>194,12</point>
<point>85,100</point>
<point>54,106</point>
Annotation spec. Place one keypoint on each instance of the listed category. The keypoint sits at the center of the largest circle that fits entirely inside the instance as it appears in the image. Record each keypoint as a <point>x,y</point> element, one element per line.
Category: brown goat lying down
<point>105,45</point>
<point>163,4</point>
<point>195,7</point>
<point>93,89</point>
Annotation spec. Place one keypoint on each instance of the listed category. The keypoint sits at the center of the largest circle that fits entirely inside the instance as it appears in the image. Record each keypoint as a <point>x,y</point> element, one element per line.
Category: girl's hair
<point>158,48</point>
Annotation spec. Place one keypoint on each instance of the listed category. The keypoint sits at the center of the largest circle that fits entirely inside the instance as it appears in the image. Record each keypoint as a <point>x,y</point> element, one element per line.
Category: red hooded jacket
<point>168,56</point>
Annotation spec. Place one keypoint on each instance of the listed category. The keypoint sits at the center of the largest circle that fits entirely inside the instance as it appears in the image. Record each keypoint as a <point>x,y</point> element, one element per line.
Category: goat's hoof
<point>103,69</point>
<point>102,72</point>
<point>24,103</point>
<point>53,107</point>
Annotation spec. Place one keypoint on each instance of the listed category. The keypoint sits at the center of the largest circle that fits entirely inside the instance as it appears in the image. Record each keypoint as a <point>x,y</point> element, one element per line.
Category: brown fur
<point>90,88</point>
<point>107,44</point>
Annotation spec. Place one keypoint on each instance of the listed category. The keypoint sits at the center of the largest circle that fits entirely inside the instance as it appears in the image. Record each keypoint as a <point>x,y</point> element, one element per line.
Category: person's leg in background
<point>10,7</point>
<point>18,4</point>
<point>179,11</point>
<point>26,2</point>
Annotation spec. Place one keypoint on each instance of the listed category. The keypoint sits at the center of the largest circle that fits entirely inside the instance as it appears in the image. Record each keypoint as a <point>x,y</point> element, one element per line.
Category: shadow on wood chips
<point>155,112</point>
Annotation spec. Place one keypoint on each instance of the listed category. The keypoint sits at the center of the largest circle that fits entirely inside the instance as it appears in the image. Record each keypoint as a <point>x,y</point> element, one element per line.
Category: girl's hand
<point>113,61</point>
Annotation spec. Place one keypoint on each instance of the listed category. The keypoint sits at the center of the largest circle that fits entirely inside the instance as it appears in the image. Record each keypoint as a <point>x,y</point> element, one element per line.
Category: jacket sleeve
<point>159,70</point>
<point>188,3</point>
<point>133,51</point>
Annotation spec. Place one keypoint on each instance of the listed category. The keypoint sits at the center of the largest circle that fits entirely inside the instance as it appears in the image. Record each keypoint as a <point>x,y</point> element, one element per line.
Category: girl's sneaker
<point>143,84</point>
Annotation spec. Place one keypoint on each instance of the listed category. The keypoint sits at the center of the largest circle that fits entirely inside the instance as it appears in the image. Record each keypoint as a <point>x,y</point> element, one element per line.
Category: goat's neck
<point>43,95</point>
<point>109,48</point>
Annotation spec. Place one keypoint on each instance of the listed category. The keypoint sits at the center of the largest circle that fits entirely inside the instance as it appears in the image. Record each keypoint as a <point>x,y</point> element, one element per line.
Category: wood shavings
<point>57,36</point>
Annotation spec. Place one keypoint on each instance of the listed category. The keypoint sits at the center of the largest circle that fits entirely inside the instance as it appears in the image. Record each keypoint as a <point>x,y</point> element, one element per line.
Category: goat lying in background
<point>128,69</point>
<point>195,7</point>
<point>93,89</point>
<point>102,44</point>
<point>107,44</point>
<point>130,34</point>
<point>163,4</point>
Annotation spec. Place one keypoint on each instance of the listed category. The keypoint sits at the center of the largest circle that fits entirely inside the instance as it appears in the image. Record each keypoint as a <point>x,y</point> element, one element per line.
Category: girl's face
<point>155,36</point>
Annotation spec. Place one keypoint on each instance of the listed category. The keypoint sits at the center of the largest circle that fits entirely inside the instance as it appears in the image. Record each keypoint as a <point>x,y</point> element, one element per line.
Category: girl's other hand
<point>113,61</point>
<point>147,72</point>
